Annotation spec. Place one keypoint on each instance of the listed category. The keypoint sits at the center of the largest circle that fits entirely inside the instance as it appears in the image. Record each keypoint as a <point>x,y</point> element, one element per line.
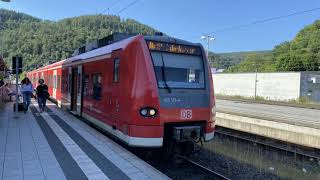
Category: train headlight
<point>148,112</point>
<point>213,110</point>
<point>152,112</point>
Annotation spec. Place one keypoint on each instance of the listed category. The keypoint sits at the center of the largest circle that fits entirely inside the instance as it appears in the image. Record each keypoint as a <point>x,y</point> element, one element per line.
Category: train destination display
<point>173,48</point>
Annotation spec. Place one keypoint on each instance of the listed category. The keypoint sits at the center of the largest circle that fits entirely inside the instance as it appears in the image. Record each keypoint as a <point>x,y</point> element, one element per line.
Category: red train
<point>145,90</point>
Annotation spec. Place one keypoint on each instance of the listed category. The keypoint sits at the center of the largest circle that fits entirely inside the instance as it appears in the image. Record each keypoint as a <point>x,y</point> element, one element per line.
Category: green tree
<point>302,53</point>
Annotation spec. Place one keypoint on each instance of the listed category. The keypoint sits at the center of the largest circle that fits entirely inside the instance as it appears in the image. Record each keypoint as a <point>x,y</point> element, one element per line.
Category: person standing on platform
<point>26,91</point>
<point>42,94</point>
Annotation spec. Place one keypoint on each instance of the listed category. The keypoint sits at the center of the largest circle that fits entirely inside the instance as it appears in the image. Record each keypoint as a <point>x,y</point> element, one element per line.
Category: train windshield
<point>178,70</point>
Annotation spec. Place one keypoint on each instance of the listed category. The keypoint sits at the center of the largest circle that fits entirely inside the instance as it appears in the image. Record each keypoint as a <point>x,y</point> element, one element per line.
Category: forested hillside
<point>226,60</point>
<point>40,41</point>
<point>300,54</point>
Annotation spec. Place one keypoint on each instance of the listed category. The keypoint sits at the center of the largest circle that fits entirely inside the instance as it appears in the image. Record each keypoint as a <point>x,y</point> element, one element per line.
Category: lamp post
<point>208,38</point>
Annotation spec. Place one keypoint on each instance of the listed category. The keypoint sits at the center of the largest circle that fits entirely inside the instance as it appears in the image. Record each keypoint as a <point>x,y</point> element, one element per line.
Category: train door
<point>116,90</point>
<point>76,92</point>
<point>69,88</point>
<point>54,91</point>
<point>79,90</point>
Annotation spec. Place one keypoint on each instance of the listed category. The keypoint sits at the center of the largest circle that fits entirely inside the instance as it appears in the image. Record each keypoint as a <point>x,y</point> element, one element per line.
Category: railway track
<point>275,144</point>
<point>213,174</point>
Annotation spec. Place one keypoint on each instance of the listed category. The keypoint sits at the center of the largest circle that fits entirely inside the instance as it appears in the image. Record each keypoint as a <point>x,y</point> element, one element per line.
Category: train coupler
<point>186,133</point>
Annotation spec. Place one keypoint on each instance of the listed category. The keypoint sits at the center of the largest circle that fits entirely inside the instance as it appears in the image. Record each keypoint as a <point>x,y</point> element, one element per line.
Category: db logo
<point>186,114</point>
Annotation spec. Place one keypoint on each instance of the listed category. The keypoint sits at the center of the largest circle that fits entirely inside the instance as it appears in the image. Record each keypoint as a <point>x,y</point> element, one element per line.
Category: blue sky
<point>189,19</point>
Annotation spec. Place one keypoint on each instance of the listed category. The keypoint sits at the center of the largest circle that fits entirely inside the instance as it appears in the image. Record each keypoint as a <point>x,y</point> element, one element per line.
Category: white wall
<point>273,86</point>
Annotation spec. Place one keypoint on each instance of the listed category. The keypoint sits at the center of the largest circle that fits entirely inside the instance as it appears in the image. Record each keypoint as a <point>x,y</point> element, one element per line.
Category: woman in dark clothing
<point>42,94</point>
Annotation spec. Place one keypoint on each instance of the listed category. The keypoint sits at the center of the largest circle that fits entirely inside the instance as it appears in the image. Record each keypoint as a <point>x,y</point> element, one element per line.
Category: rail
<point>214,174</point>
<point>292,148</point>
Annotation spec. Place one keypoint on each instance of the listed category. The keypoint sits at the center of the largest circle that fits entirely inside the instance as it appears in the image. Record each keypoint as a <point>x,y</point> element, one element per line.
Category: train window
<point>69,83</point>
<point>48,81</point>
<point>86,85</point>
<point>96,86</point>
<point>58,83</point>
<point>116,70</point>
<point>178,70</point>
<point>55,81</point>
<point>79,84</point>
<point>62,86</point>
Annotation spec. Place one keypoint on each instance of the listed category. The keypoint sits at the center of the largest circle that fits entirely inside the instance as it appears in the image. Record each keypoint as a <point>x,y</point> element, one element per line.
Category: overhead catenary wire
<point>111,6</point>
<point>230,28</point>
<point>126,7</point>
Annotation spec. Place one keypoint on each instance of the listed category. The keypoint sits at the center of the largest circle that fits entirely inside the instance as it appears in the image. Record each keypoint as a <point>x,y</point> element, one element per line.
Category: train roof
<point>56,64</point>
<point>101,51</point>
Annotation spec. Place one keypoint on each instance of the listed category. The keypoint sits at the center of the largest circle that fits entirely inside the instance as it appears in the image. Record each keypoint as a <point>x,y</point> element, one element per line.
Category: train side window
<point>96,86</point>
<point>48,81</point>
<point>69,83</point>
<point>86,85</point>
<point>51,81</point>
<point>59,83</point>
<point>116,71</point>
<point>55,81</point>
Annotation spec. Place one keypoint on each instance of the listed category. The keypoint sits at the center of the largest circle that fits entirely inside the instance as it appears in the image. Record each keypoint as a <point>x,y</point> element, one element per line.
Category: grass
<point>303,100</point>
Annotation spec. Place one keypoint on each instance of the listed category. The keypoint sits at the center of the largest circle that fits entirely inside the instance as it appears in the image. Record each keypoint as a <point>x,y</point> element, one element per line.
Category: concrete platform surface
<point>56,145</point>
<point>284,114</point>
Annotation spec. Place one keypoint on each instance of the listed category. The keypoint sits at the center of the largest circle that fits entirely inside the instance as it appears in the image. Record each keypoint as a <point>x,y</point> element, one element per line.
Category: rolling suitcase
<point>20,107</point>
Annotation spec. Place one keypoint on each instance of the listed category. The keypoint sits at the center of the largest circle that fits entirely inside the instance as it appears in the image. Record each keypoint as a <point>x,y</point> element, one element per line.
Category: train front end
<point>186,96</point>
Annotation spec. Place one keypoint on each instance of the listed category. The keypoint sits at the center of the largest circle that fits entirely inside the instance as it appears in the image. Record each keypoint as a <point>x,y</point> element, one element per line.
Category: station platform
<point>290,124</point>
<point>56,145</point>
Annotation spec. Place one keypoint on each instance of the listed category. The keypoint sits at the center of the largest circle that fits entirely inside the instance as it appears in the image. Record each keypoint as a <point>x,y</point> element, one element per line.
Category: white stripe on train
<point>132,141</point>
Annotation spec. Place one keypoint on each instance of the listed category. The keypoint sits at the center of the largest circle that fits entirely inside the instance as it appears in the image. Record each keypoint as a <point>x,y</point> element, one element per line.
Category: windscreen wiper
<point>164,75</point>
